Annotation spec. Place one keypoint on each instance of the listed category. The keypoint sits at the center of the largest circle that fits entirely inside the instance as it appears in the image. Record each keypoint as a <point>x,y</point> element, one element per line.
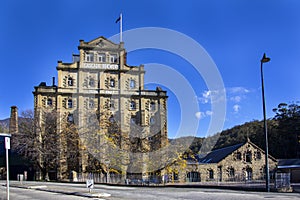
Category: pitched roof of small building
<point>288,163</point>
<point>219,154</point>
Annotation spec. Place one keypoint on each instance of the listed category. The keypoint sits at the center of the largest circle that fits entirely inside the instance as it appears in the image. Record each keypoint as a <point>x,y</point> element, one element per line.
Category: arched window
<point>91,103</point>
<point>249,174</point>
<point>231,172</point>
<point>258,155</point>
<point>49,102</point>
<point>111,119</point>
<point>70,103</point>
<point>112,83</point>
<point>112,104</point>
<point>248,156</point>
<point>70,81</point>
<point>132,84</point>
<point>132,120</point>
<point>92,82</point>
<point>193,177</point>
<point>152,120</point>
<point>238,156</point>
<point>152,106</point>
<point>70,118</point>
<point>132,105</point>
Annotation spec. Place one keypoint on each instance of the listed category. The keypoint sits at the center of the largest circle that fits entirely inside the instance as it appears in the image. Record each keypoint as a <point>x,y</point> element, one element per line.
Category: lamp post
<point>265,60</point>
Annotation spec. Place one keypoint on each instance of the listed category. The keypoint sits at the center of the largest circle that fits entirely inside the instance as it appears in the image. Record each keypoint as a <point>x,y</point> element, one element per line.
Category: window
<point>70,81</point>
<point>92,82</point>
<point>112,83</point>
<point>70,103</point>
<point>238,156</point>
<point>231,172</point>
<point>91,103</point>
<point>132,84</point>
<point>111,119</point>
<point>152,120</point>
<point>152,106</point>
<point>49,102</point>
<point>211,174</point>
<point>132,120</point>
<point>248,156</point>
<point>132,105</point>
<point>70,118</point>
<point>193,177</point>
<point>112,104</point>
<point>113,58</point>
<point>101,57</point>
<point>258,155</point>
<point>248,174</point>
<point>90,57</point>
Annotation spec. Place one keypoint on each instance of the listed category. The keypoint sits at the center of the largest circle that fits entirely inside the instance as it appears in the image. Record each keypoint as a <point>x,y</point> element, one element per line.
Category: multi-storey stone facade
<point>98,82</point>
<point>241,162</point>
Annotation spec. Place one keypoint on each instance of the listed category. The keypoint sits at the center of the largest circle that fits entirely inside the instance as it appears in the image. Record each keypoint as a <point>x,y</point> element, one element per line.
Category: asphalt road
<point>67,191</point>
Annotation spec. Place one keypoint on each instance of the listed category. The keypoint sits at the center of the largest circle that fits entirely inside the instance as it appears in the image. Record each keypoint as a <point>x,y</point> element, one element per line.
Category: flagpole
<point>121,31</point>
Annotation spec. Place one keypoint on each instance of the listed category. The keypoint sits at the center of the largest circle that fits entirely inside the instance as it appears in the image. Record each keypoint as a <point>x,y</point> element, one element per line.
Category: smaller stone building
<point>240,162</point>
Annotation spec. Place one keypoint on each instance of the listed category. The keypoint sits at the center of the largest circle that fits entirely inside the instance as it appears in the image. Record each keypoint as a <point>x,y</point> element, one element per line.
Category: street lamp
<point>265,60</point>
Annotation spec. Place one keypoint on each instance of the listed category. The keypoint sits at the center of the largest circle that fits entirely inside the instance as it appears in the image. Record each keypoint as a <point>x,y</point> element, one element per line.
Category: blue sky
<point>235,33</point>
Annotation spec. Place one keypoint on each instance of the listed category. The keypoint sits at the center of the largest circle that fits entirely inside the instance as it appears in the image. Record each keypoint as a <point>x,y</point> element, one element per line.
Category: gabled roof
<point>288,163</point>
<point>100,42</point>
<point>219,154</point>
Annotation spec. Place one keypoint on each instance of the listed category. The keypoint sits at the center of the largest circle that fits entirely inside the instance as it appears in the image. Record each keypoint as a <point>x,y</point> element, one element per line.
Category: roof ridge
<point>228,147</point>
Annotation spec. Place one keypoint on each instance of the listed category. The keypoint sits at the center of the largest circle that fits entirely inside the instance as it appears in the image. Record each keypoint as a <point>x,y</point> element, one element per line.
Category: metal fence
<point>99,178</point>
<point>282,180</point>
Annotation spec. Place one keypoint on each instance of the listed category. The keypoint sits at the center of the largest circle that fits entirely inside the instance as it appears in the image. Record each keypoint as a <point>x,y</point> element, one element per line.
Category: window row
<point>111,104</point>
<point>101,57</point>
<point>247,156</point>
<point>92,83</point>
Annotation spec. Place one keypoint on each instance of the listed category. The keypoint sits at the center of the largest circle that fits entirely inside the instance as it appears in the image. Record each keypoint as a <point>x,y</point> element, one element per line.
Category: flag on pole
<point>121,24</point>
<point>118,19</point>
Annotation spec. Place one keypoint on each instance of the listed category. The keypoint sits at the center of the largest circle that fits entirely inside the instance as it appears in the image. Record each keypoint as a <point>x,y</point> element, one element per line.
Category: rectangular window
<point>101,57</point>
<point>113,58</point>
<point>70,103</point>
<point>90,57</point>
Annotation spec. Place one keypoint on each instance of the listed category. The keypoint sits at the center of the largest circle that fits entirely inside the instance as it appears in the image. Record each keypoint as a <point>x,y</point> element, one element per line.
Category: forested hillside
<point>283,132</point>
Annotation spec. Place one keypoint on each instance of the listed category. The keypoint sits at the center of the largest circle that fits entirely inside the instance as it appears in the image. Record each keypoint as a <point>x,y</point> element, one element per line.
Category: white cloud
<point>209,113</point>
<point>237,90</point>
<point>237,94</point>
<point>212,96</point>
<point>236,108</point>
<point>200,115</point>
<point>236,99</point>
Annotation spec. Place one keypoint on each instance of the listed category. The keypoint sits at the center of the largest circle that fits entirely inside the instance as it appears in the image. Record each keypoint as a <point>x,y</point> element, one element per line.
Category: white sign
<point>90,183</point>
<point>100,66</point>
<point>7,143</point>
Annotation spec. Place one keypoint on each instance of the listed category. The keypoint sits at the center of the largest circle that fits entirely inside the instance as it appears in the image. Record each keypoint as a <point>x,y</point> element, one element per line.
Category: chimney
<point>53,81</point>
<point>13,122</point>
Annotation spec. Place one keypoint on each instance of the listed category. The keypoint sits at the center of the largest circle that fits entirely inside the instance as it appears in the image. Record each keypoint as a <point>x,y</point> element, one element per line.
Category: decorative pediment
<point>102,42</point>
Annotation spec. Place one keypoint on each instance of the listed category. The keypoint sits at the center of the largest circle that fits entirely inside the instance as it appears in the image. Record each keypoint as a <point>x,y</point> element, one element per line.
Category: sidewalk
<point>47,186</point>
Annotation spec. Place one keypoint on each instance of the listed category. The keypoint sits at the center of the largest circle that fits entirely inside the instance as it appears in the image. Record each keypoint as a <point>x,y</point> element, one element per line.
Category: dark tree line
<point>283,133</point>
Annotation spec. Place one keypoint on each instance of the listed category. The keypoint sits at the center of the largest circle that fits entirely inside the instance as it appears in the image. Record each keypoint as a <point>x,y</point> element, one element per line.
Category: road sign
<point>7,142</point>
<point>7,146</point>
<point>90,183</point>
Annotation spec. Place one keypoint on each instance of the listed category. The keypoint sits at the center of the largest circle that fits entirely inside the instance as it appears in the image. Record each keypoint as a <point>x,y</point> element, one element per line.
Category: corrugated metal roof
<point>219,154</point>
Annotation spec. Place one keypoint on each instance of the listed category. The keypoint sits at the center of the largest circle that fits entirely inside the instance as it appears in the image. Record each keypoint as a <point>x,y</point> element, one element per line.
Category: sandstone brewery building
<point>99,86</point>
